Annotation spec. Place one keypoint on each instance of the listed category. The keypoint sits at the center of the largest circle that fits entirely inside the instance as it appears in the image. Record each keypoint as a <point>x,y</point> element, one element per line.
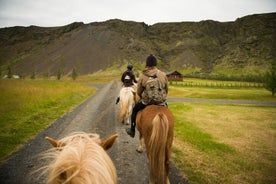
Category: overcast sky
<point>49,13</point>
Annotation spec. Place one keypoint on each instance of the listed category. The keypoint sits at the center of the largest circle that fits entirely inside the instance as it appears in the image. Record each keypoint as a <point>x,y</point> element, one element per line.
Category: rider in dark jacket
<point>128,78</point>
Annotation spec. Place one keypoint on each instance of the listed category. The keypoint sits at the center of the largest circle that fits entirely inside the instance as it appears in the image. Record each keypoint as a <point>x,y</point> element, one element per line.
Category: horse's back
<point>146,116</point>
<point>151,111</point>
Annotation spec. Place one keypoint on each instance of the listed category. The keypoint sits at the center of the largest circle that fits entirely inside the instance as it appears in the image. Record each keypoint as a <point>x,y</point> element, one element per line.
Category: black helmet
<point>129,66</point>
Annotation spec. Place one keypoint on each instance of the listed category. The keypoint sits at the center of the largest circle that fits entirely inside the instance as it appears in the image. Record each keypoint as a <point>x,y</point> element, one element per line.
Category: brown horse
<point>81,159</point>
<point>155,124</point>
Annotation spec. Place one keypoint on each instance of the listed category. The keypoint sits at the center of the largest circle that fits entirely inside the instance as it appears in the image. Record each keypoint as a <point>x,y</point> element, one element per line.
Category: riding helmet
<point>129,66</point>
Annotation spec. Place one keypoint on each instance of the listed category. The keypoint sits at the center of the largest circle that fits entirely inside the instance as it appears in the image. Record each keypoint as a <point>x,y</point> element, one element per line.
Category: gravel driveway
<point>97,114</point>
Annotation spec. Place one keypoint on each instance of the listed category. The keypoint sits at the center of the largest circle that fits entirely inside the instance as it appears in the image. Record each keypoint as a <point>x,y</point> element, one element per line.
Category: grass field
<point>225,143</point>
<point>258,94</point>
<point>28,106</point>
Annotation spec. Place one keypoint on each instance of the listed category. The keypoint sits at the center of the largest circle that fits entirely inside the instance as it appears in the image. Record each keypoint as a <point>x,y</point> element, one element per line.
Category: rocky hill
<point>243,47</point>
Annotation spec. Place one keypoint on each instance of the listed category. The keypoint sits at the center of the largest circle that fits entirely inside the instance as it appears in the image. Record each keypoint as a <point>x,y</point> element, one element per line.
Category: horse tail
<point>124,105</point>
<point>157,146</point>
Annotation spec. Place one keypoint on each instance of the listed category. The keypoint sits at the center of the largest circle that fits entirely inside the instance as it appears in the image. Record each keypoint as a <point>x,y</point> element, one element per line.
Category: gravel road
<point>97,114</point>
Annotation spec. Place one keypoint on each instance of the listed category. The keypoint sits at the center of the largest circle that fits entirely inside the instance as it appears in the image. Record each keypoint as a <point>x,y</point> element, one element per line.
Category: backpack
<point>156,94</point>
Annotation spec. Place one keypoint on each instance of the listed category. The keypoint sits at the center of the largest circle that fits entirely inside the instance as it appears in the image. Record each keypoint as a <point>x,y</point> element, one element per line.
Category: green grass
<point>225,143</point>
<point>258,94</point>
<point>28,106</point>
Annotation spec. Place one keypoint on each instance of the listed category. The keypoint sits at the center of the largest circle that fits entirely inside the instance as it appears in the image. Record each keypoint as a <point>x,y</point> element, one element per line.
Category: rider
<point>128,78</point>
<point>150,71</point>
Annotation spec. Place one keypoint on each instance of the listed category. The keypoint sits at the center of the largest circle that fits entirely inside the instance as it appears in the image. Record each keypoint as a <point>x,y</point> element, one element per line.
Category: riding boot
<point>139,106</point>
<point>131,131</point>
<point>118,99</point>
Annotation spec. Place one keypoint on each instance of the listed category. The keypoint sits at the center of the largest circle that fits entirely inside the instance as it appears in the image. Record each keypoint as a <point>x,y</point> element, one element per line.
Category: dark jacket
<point>128,78</point>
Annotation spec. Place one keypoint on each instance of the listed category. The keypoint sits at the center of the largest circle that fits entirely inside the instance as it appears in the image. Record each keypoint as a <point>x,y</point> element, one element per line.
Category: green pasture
<point>225,143</point>
<point>28,106</point>
<point>255,94</point>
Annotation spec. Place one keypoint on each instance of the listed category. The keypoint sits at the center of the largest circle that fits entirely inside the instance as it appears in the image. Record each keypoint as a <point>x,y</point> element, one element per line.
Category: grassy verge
<point>28,106</point>
<point>225,143</point>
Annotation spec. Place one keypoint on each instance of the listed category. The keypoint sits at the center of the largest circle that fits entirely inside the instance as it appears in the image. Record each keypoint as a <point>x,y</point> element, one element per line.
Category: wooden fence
<point>219,84</point>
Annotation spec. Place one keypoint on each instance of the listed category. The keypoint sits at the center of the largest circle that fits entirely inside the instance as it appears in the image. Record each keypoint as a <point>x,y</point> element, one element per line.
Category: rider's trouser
<point>139,106</point>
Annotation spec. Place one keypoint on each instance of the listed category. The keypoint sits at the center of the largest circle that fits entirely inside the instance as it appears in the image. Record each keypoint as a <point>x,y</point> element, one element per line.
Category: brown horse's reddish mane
<point>155,124</point>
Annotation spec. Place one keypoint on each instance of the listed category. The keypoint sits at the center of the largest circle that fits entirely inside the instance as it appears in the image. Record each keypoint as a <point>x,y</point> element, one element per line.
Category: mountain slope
<point>243,47</point>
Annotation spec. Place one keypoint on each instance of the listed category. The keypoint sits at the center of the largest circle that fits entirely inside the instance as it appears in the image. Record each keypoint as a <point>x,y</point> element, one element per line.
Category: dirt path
<point>97,114</point>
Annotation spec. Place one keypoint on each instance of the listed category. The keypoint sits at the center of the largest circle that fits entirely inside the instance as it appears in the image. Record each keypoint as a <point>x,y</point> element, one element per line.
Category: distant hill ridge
<point>243,47</point>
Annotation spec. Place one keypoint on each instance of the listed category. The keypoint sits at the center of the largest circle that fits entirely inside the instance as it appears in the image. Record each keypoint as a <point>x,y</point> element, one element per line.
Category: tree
<point>270,79</point>
<point>59,74</point>
<point>33,75</point>
<point>74,74</point>
<point>9,73</point>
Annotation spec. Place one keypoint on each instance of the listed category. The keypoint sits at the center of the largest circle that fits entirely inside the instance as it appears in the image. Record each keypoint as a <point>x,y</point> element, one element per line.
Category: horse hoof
<point>139,151</point>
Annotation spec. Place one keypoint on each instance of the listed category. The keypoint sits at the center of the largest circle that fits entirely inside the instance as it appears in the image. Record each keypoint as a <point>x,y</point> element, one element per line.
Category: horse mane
<point>157,145</point>
<point>80,161</point>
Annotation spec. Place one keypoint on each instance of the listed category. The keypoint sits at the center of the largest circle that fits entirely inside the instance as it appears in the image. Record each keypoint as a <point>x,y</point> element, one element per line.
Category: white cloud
<point>62,12</point>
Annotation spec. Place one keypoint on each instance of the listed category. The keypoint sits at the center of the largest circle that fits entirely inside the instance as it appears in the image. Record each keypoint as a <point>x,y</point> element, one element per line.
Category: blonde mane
<point>80,159</point>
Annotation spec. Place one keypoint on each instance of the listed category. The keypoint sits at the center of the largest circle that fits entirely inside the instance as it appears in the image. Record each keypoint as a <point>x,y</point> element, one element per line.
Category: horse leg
<point>167,171</point>
<point>140,146</point>
<point>127,118</point>
<point>128,115</point>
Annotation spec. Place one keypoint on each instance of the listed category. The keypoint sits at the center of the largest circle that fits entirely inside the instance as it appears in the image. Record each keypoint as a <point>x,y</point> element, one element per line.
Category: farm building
<point>174,76</point>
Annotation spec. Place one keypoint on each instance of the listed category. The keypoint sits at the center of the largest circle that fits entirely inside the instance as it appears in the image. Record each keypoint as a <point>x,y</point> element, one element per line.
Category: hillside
<point>243,47</point>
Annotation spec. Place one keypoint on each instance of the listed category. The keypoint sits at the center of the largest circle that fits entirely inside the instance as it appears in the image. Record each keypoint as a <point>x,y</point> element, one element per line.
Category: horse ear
<point>52,141</point>
<point>108,142</point>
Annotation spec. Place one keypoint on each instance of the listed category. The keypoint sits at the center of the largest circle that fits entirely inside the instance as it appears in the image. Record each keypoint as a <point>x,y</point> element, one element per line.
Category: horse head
<point>81,158</point>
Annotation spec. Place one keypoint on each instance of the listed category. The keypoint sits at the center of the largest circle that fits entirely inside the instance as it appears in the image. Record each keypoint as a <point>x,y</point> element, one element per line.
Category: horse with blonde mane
<point>81,159</point>
<point>128,99</point>
<point>155,125</point>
